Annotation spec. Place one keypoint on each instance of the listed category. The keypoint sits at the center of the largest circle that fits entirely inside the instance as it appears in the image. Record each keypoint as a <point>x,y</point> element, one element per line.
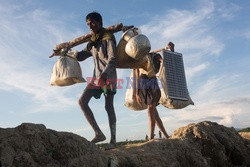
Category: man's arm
<point>82,55</point>
<point>111,52</point>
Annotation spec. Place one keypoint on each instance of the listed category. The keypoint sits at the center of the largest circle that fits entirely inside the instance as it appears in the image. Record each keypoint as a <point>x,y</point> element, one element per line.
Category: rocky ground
<point>202,144</point>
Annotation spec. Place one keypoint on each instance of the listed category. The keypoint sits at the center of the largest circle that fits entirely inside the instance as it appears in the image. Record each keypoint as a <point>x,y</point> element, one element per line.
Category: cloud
<point>241,100</point>
<point>177,24</point>
<point>227,10</point>
<point>27,37</point>
<point>208,88</point>
<point>220,98</point>
<point>235,115</point>
<point>193,71</point>
<point>191,31</point>
<point>207,118</point>
<point>222,88</point>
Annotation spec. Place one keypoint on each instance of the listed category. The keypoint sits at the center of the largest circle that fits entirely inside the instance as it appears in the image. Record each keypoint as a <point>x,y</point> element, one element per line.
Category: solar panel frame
<point>175,75</point>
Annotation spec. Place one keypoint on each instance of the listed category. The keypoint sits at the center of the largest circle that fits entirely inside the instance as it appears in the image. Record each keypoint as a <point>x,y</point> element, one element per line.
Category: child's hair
<point>172,45</point>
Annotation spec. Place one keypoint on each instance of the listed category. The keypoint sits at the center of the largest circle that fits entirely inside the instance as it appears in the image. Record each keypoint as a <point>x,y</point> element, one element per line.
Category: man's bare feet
<point>98,138</point>
<point>110,146</point>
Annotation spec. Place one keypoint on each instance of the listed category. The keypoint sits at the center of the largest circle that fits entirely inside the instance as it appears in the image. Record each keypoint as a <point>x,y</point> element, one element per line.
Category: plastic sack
<point>66,71</point>
<point>130,98</point>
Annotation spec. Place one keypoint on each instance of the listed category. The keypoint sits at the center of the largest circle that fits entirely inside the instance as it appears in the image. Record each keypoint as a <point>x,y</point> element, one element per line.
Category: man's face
<point>94,26</point>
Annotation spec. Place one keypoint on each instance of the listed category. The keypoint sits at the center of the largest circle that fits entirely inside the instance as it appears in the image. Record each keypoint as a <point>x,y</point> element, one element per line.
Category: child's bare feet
<point>166,136</point>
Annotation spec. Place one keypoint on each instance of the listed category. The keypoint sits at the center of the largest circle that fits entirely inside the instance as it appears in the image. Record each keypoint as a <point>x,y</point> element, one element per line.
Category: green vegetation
<point>245,130</point>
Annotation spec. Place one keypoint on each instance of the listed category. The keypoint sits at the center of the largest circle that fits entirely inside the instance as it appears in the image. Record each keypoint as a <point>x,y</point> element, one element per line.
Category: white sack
<point>66,71</point>
<point>130,98</point>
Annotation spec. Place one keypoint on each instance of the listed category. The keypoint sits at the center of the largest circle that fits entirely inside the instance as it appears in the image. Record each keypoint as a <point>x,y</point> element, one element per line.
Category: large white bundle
<point>130,98</point>
<point>124,60</point>
<point>174,92</point>
<point>138,46</point>
<point>66,71</point>
<point>131,49</point>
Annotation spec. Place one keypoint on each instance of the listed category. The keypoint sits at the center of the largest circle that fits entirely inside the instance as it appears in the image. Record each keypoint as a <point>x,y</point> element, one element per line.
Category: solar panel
<point>175,75</point>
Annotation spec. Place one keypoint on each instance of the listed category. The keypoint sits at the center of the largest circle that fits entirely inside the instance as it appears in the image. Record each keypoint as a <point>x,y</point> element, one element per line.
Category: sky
<point>213,37</point>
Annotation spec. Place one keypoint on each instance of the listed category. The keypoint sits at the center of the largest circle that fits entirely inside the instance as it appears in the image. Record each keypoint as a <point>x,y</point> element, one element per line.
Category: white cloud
<point>27,37</point>
<point>192,33</point>
<point>193,71</point>
<point>208,88</point>
<point>229,114</point>
<point>227,10</point>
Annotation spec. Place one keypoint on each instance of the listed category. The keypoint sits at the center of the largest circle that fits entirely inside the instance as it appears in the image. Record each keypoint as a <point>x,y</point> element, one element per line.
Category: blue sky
<point>213,36</point>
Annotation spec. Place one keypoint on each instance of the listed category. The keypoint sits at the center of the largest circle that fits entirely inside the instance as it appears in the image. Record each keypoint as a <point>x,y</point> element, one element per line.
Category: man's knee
<point>82,103</point>
<point>85,98</point>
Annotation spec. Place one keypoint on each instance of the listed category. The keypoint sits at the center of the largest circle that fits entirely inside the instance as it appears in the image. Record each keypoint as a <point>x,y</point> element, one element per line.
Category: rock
<point>159,153</point>
<point>219,145</point>
<point>203,144</point>
<point>34,145</point>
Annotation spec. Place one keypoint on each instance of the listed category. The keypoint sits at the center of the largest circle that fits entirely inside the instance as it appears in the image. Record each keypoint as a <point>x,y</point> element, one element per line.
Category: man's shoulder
<point>108,36</point>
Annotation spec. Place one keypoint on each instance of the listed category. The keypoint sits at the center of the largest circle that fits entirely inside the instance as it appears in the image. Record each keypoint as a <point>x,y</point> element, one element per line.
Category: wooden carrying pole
<point>86,38</point>
<point>158,50</point>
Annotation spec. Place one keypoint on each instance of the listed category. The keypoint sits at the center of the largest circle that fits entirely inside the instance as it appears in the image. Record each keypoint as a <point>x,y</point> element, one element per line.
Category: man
<point>102,47</point>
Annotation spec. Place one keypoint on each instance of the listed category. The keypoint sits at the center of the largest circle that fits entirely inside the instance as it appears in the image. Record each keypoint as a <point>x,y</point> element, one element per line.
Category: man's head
<point>94,22</point>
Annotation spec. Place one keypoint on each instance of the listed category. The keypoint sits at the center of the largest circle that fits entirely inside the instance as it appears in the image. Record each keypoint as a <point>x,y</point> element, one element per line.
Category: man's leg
<point>109,106</point>
<point>83,102</point>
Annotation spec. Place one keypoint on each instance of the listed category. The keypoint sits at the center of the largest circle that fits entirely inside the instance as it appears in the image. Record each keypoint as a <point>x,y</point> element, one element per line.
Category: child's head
<point>171,46</point>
